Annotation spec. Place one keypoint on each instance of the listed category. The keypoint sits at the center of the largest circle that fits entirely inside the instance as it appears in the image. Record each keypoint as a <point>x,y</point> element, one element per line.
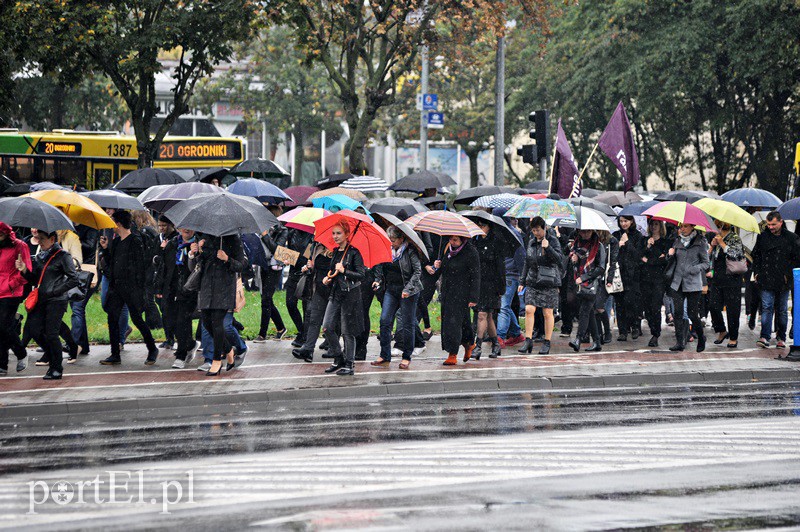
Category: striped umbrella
<point>680,212</point>
<point>366,183</point>
<point>444,223</point>
<point>303,218</point>
<point>350,193</point>
<point>504,200</point>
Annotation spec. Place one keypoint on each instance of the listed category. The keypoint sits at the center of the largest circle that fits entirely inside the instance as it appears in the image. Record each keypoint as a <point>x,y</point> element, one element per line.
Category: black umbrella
<point>394,205</point>
<point>18,189</point>
<point>468,195</point>
<point>422,181</point>
<point>209,174</point>
<point>688,196</point>
<point>432,200</point>
<point>510,238</point>
<point>262,169</point>
<point>144,178</point>
<point>590,193</point>
<point>592,204</point>
<point>5,182</point>
<point>333,180</point>
<point>114,199</point>
<point>385,220</point>
<point>30,212</point>
<point>222,214</point>
<point>538,186</point>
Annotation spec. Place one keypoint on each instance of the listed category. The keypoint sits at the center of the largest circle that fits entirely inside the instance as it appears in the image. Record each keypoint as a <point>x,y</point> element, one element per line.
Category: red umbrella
<point>299,195</point>
<point>365,235</point>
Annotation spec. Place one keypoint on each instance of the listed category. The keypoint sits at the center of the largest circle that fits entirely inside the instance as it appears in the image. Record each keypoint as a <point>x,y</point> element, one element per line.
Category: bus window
<point>70,172</point>
<point>103,177</point>
<point>20,169</point>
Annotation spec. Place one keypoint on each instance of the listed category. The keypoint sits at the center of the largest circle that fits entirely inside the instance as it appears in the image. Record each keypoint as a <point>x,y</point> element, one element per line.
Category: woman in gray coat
<point>689,264</point>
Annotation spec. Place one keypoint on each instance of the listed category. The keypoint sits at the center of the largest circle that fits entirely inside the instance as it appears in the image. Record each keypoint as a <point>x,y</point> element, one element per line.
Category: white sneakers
<point>178,364</point>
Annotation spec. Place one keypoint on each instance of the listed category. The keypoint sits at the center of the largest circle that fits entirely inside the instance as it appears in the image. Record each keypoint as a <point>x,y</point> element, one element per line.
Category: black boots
<point>653,342</point>
<point>527,347</point>
<point>575,345</point>
<point>338,364</point>
<point>701,342</point>
<point>347,369</point>
<point>545,350</point>
<point>301,354</point>
<point>495,347</point>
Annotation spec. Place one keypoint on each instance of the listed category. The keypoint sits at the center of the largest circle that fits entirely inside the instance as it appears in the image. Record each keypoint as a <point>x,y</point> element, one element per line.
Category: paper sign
<point>286,255</point>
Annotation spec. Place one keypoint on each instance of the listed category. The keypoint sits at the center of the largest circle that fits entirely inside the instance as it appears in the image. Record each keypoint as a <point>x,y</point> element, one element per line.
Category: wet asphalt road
<point>711,457</point>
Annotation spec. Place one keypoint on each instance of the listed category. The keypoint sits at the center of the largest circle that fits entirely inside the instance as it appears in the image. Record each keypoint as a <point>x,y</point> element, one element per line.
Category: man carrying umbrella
<point>122,261</point>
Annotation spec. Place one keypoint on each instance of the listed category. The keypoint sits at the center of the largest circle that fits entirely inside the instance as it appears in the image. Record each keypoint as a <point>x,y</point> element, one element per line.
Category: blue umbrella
<point>263,191</point>
<point>752,197</point>
<point>790,210</point>
<point>337,202</point>
<point>636,209</point>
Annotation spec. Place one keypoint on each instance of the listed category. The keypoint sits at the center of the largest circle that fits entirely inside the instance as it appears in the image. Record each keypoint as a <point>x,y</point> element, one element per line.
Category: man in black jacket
<point>123,262</point>
<point>774,255</point>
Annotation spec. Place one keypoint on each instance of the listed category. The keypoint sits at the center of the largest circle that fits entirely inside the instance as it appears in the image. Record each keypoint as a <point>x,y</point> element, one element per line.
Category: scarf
<point>181,253</point>
<point>397,253</point>
<point>591,247</point>
<point>455,251</point>
<point>44,254</point>
<point>686,240</point>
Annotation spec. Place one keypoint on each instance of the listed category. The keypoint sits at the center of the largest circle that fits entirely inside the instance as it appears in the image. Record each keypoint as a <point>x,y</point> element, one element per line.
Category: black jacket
<point>298,241</point>
<point>493,267</point>
<point>276,236</point>
<point>170,276</point>
<point>59,277</point>
<point>410,270</point>
<point>629,259</point>
<point>461,278</point>
<point>354,270</point>
<point>537,256</point>
<point>596,270</point>
<point>612,252</point>
<point>773,259</point>
<point>125,265</point>
<point>652,271</point>
<point>218,283</point>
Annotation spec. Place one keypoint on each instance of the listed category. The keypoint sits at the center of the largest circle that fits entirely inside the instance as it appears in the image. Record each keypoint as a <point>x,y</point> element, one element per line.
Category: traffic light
<point>528,153</point>
<point>540,132</point>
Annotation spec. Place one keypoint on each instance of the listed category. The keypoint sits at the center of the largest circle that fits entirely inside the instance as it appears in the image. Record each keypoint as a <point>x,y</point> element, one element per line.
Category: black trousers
<point>729,298</point>
<point>182,322</point>
<point>269,282</point>
<point>334,321</point>
<point>168,317</point>
<point>9,339</point>
<point>45,322</point>
<point>115,300</point>
<point>425,298</point>
<point>366,302</point>
<point>568,307</point>
<point>652,301</point>
<point>214,322</point>
<point>292,304</point>
<point>587,321</point>
<point>313,321</point>
<point>628,309</point>
<point>693,309</point>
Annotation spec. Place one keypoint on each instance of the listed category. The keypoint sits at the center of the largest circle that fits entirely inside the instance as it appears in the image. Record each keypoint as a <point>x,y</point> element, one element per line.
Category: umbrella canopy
<point>432,200</point>
<point>259,168</point>
<point>422,181</point>
<point>592,204</point>
<point>79,209</point>
<point>727,212</point>
<point>538,186</point>
<point>618,199</point>
<point>47,185</point>
<point>299,195</point>
<point>114,199</point>
<point>790,210</point>
<point>5,182</point>
<point>349,192</point>
<point>30,212</point>
<point>366,184</point>
<point>365,235</point>
<point>444,223</point>
<point>336,203</point>
<point>261,190</point>
<point>504,200</point>
<point>171,195</point>
<point>303,218</point>
<point>585,219</point>
<point>222,214</point>
<point>680,212</point>
<point>18,189</point>
<point>752,197</point>
<point>333,180</point>
<point>546,208</point>
<point>144,178</point>
<point>510,239</point>
<point>394,206</point>
<point>209,174</point>
<point>637,208</point>
<point>151,192</point>
<point>590,193</point>
<point>385,220</point>
<point>688,196</point>
<point>468,195</point>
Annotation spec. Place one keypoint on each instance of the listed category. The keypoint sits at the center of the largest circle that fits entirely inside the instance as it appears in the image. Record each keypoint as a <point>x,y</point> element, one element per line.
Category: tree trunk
<point>358,140</point>
<point>298,155</point>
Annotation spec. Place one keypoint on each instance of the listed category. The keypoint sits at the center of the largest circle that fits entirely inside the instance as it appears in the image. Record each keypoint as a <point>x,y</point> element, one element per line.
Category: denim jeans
<point>123,316</point>
<point>79,332</point>
<point>406,311</point>
<point>773,301</point>
<point>207,340</point>
<point>507,322</point>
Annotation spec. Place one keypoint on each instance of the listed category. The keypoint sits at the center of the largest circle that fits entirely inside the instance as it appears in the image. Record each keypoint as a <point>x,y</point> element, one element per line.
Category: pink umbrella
<point>680,212</point>
<point>299,195</point>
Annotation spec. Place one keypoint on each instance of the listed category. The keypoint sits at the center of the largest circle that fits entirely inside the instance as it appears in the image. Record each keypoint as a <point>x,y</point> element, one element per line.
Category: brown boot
<point>468,351</point>
<point>452,360</point>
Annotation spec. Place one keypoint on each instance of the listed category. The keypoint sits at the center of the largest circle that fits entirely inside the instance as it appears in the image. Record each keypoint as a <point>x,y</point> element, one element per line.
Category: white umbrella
<point>366,183</point>
<point>586,218</point>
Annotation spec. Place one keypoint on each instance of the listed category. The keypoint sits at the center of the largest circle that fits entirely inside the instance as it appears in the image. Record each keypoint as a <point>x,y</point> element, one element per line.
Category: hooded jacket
<point>11,280</point>
<point>773,259</point>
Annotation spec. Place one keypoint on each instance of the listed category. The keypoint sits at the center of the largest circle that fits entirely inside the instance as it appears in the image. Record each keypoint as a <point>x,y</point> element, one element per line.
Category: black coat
<point>629,259</point>
<point>773,259</point>
<point>410,270</point>
<point>125,265</point>
<point>59,277</point>
<point>652,271</point>
<point>493,269</point>
<point>536,256</point>
<point>612,250</point>
<point>170,277</point>
<point>218,283</point>
<point>461,281</point>
<point>298,241</point>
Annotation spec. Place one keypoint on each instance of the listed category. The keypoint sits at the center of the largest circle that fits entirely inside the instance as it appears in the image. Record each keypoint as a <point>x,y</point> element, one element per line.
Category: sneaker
<point>563,334</point>
<point>426,335</point>
<point>397,352</point>
<point>152,356</point>
<point>417,351</point>
<point>205,366</point>
<point>762,343</point>
<point>781,344</point>
<point>280,334</point>
<point>238,360</point>
<point>516,340</point>
<point>42,362</point>
<point>178,364</point>
<point>297,342</point>
<point>22,364</point>
<point>259,339</point>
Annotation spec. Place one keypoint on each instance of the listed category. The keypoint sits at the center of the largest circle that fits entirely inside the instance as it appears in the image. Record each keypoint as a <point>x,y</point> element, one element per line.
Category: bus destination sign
<point>49,147</point>
<point>198,150</point>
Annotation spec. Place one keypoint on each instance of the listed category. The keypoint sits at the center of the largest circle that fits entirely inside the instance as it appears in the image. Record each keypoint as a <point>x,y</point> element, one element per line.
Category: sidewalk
<point>270,374</point>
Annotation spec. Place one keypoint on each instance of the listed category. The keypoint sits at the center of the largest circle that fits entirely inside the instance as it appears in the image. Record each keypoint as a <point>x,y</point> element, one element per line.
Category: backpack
<point>256,251</point>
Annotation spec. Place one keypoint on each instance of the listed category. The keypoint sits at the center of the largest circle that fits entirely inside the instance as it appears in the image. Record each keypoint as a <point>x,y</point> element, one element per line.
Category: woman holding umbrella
<point>492,288</point>
<point>725,286</point>
<point>689,258</point>
<point>588,265</point>
<point>629,261</point>
<point>12,284</point>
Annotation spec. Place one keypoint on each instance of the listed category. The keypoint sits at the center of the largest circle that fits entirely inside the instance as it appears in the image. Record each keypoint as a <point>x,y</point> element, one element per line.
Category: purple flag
<point>565,172</point>
<point>617,143</point>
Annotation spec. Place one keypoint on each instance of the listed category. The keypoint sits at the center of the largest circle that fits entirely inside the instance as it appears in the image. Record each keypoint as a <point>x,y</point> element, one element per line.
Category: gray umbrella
<point>395,205</point>
<point>30,212</point>
<point>421,181</point>
<point>222,214</point>
<point>171,195</point>
<point>592,204</point>
<point>114,199</point>
<point>616,198</point>
<point>468,195</point>
<point>510,238</point>
<point>385,220</point>
<point>144,178</point>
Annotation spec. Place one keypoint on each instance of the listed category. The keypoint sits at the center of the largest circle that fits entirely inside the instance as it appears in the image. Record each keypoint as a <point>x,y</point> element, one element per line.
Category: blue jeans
<point>507,322</point>
<point>207,341</point>
<point>123,316</point>
<point>772,302</point>
<point>79,332</point>
<point>406,311</point>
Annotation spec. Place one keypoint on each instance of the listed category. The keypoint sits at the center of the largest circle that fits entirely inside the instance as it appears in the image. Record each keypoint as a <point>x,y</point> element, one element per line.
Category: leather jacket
<point>410,269</point>
<point>59,277</point>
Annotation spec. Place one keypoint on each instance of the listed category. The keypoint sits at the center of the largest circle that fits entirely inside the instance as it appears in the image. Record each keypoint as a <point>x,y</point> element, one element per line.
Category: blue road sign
<point>430,102</point>
<point>435,120</point>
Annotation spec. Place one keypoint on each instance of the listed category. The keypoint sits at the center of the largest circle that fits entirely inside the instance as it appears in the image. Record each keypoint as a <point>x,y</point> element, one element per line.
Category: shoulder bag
<point>548,277</point>
<point>33,298</point>
<point>193,281</point>
<point>588,291</point>
<point>616,282</point>
<point>735,267</point>
<point>85,278</point>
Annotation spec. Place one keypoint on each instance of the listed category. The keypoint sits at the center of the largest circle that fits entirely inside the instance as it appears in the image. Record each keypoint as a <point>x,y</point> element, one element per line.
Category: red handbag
<point>33,297</point>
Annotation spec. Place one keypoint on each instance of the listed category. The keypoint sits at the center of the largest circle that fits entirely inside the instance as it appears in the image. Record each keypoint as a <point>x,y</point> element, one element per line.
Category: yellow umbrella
<point>349,192</point>
<point>79,209</point>
<point>728,212</point>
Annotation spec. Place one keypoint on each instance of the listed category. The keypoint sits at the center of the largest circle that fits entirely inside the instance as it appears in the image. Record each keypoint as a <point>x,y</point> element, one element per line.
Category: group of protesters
<point>158,276</point>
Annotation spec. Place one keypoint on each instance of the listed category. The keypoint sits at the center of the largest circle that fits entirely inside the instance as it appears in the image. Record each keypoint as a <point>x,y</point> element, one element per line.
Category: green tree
<point>123,39</point>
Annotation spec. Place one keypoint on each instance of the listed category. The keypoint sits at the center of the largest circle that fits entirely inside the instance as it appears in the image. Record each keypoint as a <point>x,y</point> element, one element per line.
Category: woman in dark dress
<point>344,310</point>
<point>653,280</point>
<point>460,273</point>
<point>493,284</point>
<point>629,261</point>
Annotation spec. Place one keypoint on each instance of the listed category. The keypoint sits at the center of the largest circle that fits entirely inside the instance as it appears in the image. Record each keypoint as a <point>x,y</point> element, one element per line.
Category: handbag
<point>33,298</point>
<point>240,300</point>
<point>588,291</point>
<point>193,282</point>
<point>548,277</point>
<point>735,267</point>
<point>78,293</point>
<point>300,289</point>
<point>616,283</point>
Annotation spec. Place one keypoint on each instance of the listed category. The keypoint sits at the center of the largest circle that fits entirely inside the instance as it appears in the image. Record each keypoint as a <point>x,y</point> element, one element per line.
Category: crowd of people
<point>158,276</point>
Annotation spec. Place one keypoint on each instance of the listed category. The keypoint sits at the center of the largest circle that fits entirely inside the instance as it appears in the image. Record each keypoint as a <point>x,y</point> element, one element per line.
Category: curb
<point>166,406</point>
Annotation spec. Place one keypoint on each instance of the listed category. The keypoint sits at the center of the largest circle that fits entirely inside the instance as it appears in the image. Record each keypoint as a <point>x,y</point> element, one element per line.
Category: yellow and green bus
<point>97,159</point>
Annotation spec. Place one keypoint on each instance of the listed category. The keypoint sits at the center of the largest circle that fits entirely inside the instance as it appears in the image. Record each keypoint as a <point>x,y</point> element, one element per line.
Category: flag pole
<point>553,166</point>
<point>580,177</point>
